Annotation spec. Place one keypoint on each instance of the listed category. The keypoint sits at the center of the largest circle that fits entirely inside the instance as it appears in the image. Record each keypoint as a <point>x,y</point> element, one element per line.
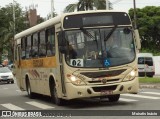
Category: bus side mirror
<point>138,40</point>
<point>62,43</point>
<point>63,49</point>
<point>61,39</point>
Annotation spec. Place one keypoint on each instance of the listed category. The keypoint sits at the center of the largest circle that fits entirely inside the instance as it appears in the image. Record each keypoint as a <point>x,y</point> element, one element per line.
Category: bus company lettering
<point>38,63</point>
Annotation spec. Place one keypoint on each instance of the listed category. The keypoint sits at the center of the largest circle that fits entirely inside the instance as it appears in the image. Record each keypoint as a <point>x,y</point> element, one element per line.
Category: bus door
<point>18,70</point>
<point>60,65</point>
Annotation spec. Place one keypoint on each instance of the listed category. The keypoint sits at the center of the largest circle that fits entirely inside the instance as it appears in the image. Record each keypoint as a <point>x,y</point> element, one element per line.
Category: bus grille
<point>99,89</point>
<point>103,74</point>
<point>99,81</point>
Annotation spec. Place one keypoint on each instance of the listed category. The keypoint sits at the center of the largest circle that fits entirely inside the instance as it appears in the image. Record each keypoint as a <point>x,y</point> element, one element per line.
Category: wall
<point>157,64</point>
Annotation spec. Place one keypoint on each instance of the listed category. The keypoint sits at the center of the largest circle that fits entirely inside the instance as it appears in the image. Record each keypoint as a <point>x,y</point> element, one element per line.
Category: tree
<point>84,5</point>
<point>7,26</point>
<point>148,23</point>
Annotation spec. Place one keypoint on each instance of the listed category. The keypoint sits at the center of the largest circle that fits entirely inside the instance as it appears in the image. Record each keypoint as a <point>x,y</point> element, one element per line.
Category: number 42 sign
<point>76,62</point>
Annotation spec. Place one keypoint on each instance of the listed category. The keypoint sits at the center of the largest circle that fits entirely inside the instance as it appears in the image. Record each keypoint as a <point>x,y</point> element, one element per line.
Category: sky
<point>44,6</point>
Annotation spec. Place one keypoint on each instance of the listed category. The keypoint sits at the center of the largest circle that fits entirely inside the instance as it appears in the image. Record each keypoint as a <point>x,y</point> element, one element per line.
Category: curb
<point>150,86</point>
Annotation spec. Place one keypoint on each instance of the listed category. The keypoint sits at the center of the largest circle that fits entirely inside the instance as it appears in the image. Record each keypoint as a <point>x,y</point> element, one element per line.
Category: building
<point>32,17</point>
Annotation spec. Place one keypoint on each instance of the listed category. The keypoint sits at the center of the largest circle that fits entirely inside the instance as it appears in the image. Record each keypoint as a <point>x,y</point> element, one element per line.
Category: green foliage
<point>7,29</point>
<point>149,80</point>
<point>7,26</point>
<point>148,23</point>
<point>84,5</point>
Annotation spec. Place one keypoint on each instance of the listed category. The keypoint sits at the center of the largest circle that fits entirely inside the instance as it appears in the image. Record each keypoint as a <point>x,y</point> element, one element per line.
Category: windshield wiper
<point>87,33</point>
<point>110,33</point>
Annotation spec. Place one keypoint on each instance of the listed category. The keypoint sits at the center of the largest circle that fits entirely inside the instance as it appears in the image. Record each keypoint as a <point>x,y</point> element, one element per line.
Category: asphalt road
<point>11,98</point>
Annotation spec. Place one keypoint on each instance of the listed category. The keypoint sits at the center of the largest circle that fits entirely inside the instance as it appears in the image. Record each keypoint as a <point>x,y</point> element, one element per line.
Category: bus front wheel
<point>29,91</point>
<point>54,95</point>
<point>114,98</point>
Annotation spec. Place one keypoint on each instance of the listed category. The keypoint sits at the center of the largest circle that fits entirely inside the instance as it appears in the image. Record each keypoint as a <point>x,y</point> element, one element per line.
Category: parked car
<point>6,75</point>
<point>146,64</point>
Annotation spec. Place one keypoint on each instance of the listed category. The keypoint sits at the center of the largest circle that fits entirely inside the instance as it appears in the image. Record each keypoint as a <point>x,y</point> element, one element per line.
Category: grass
<point>149,80</point>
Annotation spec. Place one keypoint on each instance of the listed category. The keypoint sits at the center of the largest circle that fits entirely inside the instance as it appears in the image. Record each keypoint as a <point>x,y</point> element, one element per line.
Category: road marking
<point>140,96</point>
<point>18,90</point>
<point>39,105</point>
<point>127,100</point>
<point>155,93</point>
<point>11,106</point>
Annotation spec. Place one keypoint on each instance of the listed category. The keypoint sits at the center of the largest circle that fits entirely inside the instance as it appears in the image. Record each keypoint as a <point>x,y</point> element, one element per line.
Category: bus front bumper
<point>87,91</point>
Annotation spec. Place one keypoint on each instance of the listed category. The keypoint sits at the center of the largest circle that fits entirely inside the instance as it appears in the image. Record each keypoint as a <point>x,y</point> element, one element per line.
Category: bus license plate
<point>106,92</point>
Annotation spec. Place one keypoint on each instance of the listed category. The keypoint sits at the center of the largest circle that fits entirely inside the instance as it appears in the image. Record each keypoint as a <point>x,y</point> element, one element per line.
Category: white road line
<point>39,105</point>
<point>141,96</point>
<point>18,90</point>
<point>155,93</point>
<point>127,100</point>
<point>11,106</point>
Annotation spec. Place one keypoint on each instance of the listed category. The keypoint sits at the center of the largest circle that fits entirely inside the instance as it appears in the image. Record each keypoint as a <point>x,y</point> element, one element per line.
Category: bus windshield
<point>100,47</point>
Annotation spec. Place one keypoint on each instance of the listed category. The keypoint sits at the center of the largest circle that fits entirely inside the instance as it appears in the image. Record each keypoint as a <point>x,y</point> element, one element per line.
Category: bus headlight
<point>130,76</point>
<point>75,80</point>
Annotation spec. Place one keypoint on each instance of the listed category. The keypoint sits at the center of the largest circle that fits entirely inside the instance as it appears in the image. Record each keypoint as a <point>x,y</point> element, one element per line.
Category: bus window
<point>50,42</point>
<point>35,45</point>
<point>28,47</point>
<point>42,44</point>
<point>23,47</point>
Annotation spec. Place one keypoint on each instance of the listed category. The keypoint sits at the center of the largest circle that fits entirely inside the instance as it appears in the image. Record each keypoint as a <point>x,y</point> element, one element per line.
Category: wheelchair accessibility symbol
<point>107,62</point>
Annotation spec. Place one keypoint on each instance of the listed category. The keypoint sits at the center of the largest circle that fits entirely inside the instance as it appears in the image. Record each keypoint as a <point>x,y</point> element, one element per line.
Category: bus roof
<point>38,27</point>
<point>145,55</point>
<point>55,20</point>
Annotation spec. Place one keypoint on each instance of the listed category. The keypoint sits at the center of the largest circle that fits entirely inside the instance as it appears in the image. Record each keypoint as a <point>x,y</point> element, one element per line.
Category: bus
<point>78,55</point>
<point>146,64</point>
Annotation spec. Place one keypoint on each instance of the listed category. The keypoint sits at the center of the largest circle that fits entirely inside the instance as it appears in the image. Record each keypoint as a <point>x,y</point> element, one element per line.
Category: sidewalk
<point>150,85</point>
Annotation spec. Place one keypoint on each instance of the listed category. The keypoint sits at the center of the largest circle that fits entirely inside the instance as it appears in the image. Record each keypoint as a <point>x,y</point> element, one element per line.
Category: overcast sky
<point>44,6</point>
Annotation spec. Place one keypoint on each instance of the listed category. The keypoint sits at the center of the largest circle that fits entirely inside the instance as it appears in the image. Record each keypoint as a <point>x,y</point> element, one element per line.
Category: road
<point>11,98</point>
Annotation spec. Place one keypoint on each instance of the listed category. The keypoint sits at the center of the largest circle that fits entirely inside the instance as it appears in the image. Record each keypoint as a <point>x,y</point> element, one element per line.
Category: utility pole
<point>135,16</point>
<point>107,5</point>
<point>52,8</point>
<point>14,21</point>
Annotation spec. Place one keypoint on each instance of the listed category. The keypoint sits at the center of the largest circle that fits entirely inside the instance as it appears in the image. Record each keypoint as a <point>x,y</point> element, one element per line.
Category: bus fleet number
<point>76,62</point>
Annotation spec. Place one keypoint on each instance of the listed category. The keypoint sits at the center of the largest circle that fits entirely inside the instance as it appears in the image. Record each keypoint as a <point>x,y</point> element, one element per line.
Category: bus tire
<point>114,98</point>
<point>29,91</point>
<point>54,95</point>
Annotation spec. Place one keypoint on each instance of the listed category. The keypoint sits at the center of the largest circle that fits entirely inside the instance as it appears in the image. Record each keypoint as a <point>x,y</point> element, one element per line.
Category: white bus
<point>146,64</point>
<point>79,55</point>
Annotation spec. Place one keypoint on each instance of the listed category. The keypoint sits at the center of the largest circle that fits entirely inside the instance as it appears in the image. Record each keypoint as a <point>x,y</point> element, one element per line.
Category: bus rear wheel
<point>54,95</point>
<point>29,91</point>
<point>114,98</point>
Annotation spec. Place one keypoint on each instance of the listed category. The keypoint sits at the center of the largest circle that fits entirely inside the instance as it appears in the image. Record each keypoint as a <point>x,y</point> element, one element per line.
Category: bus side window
<point>23,47</point>
<point>28,47</point>
<point>35,45</point>
<point>50,42</point>
<point>42,44</point>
